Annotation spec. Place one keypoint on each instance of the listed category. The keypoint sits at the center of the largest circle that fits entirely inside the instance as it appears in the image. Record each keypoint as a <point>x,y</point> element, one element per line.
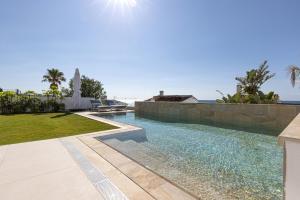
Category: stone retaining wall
<point>261,118</point>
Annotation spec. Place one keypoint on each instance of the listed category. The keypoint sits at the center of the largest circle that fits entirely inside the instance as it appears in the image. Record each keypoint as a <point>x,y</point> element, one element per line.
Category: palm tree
<point>294,73</point>
<point>255,78</point>
<point>54,77</point>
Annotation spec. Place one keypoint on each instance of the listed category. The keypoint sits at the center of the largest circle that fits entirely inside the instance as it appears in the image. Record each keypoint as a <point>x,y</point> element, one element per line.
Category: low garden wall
<point>264,118</point>
<point>85,102</point>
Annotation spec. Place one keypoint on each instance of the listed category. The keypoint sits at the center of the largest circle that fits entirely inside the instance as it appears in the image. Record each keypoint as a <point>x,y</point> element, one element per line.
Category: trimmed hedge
<point>11,103</point>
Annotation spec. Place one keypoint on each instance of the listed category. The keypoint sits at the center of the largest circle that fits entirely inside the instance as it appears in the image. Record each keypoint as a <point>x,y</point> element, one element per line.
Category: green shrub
<point>29,102</point>
<point>249,86</point>
<point>260,98</point>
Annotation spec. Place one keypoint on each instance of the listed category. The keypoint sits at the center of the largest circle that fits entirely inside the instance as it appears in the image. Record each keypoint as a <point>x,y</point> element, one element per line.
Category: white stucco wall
<point>85,102</point>
<point>292,170</point>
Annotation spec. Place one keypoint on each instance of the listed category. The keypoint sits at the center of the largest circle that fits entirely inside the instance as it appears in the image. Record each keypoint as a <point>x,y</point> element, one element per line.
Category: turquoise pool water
<point>210,162</point>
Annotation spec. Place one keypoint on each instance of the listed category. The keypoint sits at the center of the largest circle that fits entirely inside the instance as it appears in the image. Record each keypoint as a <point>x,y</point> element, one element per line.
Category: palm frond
<point>54,77</point>
<point>294,73</point>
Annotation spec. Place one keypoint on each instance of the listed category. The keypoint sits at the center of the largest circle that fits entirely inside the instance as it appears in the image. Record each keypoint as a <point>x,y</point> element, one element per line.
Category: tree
<point>89,88</point>
<point>1,90</point>
<point>255,78</point>
<point>294,73</point>
<point>54,93</point>
<point>67,92</point>
<point>260,98</point>
<point>250,88</point>
<point>54,77</point>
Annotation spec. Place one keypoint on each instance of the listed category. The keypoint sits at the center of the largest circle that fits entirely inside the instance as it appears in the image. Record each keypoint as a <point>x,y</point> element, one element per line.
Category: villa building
<point>173,98</point>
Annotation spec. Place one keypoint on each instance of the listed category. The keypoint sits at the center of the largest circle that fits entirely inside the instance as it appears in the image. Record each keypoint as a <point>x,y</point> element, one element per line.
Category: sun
<point>124,3</point>
<point>115,8</point>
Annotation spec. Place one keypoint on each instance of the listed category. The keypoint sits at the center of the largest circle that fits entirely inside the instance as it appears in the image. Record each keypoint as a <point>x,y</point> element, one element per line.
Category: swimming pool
<point>209,162</point>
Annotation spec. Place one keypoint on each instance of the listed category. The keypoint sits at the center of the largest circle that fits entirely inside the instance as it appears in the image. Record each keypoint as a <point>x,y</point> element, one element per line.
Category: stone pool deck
<point>78,167</point>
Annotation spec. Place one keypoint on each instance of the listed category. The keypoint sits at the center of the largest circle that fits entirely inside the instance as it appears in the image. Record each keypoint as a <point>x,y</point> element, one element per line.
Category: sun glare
<point>122,8</point>
<point>124,3</point>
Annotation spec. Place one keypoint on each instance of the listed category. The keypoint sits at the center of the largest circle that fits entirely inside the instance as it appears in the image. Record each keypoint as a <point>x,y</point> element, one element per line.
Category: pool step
<point>151,159</point>
<point>138,152</point>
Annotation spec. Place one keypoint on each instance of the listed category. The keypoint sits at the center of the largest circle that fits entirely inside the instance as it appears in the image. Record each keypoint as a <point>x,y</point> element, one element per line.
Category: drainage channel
<point>103,185</point>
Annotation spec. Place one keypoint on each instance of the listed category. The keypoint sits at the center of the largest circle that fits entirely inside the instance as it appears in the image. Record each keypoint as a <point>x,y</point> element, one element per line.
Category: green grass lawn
<point>29,127</point>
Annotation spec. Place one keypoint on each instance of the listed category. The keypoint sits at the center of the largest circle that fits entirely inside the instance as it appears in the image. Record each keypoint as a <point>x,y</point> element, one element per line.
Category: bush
<point>29,102</point>
<point>248,88</point>
<point>260,98</point>
<point>53,106</point>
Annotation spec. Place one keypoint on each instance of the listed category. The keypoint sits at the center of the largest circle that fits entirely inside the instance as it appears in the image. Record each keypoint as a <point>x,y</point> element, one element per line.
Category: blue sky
<point>181,46</point>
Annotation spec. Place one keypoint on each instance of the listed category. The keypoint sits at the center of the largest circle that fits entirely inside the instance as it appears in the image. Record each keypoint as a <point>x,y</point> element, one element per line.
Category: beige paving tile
<point>131,189</point>
<point>157,186</point>
<point>94,158</point>
<point>2,154</point>
<point>66,184</point>
<point>169,191</point>
<point>145,178</point>
<point>113,156</point>
<point>33,159</point>
<point>89,140</point>
<point>43,170</point>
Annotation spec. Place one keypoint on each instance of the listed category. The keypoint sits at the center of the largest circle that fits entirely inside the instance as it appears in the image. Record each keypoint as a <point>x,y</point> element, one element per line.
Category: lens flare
<point>124,3</point>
